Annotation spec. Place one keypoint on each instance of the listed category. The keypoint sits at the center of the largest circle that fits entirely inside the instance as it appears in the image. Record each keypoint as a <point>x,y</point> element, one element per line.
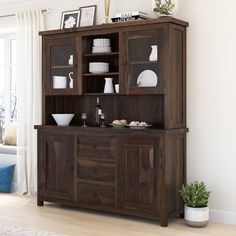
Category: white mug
<point>70,60</point>
<point>59,82</point>
<point>117,88</point>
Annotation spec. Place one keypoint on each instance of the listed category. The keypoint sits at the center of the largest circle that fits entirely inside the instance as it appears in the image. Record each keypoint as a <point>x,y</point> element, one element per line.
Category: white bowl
<point>101,42</point>
<point>63,119</point>
<point>98,67</point>
<point>102,49</point>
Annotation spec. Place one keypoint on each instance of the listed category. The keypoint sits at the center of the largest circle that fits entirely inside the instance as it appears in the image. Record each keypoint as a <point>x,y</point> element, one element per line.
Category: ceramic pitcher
<point>71,80</point>
<point>108,88</point>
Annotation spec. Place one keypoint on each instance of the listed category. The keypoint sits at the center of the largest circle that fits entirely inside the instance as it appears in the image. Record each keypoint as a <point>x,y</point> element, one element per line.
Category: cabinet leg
<point>181,215</point>
<point>39,203</point>
<point>164,221</point>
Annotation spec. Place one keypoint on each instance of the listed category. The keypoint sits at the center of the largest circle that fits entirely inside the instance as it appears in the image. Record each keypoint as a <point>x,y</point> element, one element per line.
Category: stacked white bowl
<point>101,45</point>
<point>98,67</point>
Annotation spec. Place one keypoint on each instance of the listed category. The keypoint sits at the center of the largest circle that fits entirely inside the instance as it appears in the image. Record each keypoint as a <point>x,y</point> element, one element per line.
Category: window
<point>8,98</point>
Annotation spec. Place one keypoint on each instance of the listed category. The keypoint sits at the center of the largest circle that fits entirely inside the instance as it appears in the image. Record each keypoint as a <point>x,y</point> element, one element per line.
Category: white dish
<point>101,42</point>
<point>101,49</point>
<point>63,119</point>
<point>117,126</point>
<point>98,67</point>
<point>138,126</point>
<point>147,78</point>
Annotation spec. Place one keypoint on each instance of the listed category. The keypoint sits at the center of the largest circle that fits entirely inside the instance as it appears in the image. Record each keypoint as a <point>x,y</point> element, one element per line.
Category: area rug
<point>14,230</point>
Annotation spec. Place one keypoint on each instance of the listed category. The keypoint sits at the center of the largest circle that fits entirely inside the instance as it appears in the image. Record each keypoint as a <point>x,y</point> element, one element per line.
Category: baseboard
<point>225,217</point>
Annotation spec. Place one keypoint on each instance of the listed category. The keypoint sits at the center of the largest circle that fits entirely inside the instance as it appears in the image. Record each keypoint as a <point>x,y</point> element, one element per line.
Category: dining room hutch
<point>125,171</point>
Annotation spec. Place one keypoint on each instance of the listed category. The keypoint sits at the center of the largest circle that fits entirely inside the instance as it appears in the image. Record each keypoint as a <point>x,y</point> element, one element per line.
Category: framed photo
<point>70,19</point>
<point>87,15</point>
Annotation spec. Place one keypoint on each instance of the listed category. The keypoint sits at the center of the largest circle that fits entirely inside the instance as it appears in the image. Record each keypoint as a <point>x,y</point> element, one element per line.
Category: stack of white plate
<point>101,45</point>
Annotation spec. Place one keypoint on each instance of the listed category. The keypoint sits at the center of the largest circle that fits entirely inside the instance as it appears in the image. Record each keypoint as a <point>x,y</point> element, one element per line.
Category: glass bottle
<point>98,112</point>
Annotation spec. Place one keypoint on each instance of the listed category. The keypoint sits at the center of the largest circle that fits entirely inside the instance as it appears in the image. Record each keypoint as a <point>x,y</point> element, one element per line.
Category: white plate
<point>147,78</point>
<point>101,50</point>
<point>138,126</point>
<point>118,126</point>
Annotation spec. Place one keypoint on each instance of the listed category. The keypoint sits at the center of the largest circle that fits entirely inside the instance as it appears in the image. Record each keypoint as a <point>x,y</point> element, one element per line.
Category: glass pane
<point>60,55</point>
<point>13,97</point>
<point>2,50</point>
<point>2,80</point>
<point>13,51</point>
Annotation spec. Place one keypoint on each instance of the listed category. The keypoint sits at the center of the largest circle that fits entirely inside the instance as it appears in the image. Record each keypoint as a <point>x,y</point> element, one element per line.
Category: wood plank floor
<point>22,211</point>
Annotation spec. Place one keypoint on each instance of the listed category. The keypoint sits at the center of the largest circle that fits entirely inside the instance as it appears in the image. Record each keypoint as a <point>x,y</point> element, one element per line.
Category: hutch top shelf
<point>118,25</point>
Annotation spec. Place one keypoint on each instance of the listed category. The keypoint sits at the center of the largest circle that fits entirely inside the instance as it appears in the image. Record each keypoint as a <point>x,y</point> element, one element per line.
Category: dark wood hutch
<point>126,171</point>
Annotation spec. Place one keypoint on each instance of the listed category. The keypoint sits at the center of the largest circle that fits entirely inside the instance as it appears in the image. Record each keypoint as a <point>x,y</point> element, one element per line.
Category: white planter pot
<point>196,217</point>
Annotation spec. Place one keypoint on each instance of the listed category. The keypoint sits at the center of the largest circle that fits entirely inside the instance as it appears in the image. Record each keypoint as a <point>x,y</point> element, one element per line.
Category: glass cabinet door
<point>60,67</point>
<point>145,61</point>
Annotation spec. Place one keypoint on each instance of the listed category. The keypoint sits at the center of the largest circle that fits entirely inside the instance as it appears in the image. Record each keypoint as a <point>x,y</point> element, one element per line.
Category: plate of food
<point>119,123</point>
<point>138,125</point>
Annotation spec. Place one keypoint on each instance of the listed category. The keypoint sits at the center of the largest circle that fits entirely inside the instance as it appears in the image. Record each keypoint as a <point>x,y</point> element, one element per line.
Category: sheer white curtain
<point>29,103</point>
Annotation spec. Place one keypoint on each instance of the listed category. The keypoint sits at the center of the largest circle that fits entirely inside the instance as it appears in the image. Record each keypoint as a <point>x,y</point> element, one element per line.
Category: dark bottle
<point>98,111</point>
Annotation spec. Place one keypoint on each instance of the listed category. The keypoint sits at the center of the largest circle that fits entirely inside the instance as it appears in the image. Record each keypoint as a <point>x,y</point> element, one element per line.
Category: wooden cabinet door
<point>60,67</point>
<point>144,73</point>
<point>56,166</point>
<point>137,174</point>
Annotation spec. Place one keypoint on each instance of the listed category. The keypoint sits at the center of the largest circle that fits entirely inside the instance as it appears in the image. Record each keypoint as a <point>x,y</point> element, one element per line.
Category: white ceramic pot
<point>59,82</point>
<point>196,217</point>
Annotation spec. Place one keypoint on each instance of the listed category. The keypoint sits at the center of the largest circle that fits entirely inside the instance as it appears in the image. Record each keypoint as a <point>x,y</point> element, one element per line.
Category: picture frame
<point>70,19</point>
<point>87,15</point>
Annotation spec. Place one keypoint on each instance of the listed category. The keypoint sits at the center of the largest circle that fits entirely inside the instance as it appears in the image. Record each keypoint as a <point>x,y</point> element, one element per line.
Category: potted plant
<point>195,197</point>
<point>164,7</point>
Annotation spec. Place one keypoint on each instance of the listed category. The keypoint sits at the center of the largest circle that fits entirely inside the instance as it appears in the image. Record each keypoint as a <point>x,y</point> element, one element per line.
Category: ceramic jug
<point>108,88</point>
<point>154,53</point>
<point>71,80</point>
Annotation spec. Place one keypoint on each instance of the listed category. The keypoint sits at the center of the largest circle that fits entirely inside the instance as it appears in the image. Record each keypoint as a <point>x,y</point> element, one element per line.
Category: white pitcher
<point>154,53</point>
<point>71,80</point>
<point>108,88</point>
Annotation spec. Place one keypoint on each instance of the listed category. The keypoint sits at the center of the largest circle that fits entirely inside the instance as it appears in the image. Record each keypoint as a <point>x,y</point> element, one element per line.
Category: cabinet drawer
<point>95,148</point>
<point>98,195</point>
<point>95,170</point>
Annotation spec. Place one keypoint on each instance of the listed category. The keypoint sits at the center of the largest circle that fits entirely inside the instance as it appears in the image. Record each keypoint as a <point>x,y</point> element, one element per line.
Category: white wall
<point>211,70</point>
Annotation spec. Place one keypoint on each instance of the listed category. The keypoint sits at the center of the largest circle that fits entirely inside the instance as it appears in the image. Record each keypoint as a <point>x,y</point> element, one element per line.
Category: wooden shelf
<point>101,54</point>
<point>62,67</point>
<point>143,62</point>
<point>101,74</point>
<point>101,94</point>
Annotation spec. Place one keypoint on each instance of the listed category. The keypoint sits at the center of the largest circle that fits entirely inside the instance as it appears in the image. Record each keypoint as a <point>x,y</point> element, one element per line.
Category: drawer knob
<point>95,194</point>
<point>95,170</point>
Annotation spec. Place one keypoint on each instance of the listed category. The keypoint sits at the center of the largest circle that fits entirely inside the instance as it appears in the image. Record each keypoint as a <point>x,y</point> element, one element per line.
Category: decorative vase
<point>196,217</point>
<point>108,88</point>
<point>107,8</point>
<point>154,53</point>
<point>71,80</point>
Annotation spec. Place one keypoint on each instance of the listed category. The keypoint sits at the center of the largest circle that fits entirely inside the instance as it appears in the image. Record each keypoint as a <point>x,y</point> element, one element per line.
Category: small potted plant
<point>164,8</point>
<point>195,197</point>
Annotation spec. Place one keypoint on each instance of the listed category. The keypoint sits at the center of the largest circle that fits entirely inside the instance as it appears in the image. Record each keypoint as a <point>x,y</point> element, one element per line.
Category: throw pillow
<point>6,173</point>
<point>10,135</point>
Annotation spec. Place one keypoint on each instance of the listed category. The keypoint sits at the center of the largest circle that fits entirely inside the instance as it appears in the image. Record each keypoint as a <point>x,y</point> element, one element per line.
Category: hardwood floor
<point>23,211</point>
